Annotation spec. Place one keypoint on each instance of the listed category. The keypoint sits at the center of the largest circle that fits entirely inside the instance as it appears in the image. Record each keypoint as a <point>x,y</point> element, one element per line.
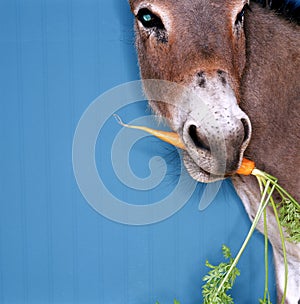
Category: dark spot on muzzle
<point>222,76</point>
<point>201,81</point>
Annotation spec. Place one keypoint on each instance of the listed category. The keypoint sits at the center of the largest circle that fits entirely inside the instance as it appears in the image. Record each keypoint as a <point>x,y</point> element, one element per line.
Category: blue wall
<point>56,57</point>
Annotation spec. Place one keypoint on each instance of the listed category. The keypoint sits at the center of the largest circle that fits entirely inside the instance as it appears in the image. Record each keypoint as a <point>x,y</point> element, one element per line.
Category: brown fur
<point>271,93</point>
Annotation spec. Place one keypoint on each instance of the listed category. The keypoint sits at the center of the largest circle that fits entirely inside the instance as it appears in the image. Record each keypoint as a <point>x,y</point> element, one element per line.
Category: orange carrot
<point>169,137</point>
<point>246,167</point>
<point>174,139</point>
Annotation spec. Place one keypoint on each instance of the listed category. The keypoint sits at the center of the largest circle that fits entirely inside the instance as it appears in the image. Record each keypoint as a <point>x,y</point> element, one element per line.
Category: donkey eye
<point>149,20</point>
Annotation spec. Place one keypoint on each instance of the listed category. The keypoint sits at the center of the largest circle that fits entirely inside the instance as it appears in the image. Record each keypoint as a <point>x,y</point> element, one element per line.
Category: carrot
<point>169,137</point>
<point>246,167</point>
<point>174,139</point>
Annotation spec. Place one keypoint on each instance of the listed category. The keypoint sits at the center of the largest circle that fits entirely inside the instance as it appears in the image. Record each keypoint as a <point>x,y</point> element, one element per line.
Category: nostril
<point>199,140</point>
<point>246,129</point>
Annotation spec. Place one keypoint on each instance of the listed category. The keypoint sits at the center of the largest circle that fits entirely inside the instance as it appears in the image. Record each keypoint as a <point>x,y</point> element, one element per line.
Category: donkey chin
<point>214,129</point>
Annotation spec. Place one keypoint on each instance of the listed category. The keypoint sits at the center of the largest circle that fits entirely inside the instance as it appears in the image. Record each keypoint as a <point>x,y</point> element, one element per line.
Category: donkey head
<point>199,44</point>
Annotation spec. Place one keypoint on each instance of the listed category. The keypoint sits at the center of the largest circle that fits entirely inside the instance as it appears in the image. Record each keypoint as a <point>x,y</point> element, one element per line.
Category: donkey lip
<point>198,173</point>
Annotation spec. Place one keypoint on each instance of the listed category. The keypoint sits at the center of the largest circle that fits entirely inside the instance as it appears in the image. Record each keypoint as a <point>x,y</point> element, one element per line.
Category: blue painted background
<point>56,57</point>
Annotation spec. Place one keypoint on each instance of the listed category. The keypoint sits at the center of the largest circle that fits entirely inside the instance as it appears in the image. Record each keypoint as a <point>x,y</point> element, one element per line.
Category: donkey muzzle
<point>215,130</point>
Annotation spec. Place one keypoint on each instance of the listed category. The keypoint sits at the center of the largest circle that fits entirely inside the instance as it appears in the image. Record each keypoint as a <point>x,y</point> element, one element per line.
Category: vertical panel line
<point>22,176</point>
<point>100,243</point>
<point>48,198</point>
<point>71,101</point>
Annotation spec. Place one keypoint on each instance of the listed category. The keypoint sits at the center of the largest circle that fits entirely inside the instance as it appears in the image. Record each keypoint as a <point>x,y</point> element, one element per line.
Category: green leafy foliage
<point>288,208</point>
<point>210,291</point>
<point>289,216</point>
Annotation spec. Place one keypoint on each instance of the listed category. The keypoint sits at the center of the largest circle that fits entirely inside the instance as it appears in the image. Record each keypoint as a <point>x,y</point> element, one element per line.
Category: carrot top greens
<point>214,291</point>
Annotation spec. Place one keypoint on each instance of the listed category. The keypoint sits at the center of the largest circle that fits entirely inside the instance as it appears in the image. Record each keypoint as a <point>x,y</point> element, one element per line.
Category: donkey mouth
<point>199,173</point>
<point>214,151</point>
<point>208,157</point>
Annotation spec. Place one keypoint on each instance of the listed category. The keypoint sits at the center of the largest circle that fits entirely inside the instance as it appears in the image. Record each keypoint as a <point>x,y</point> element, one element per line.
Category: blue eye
<point>149,19</point>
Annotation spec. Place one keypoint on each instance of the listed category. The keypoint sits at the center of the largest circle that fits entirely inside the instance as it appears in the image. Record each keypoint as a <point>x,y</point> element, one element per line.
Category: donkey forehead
<point>198,30</point>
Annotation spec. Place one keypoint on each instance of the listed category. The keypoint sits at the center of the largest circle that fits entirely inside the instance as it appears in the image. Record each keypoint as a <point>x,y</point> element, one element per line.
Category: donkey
<point>244,60</point>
